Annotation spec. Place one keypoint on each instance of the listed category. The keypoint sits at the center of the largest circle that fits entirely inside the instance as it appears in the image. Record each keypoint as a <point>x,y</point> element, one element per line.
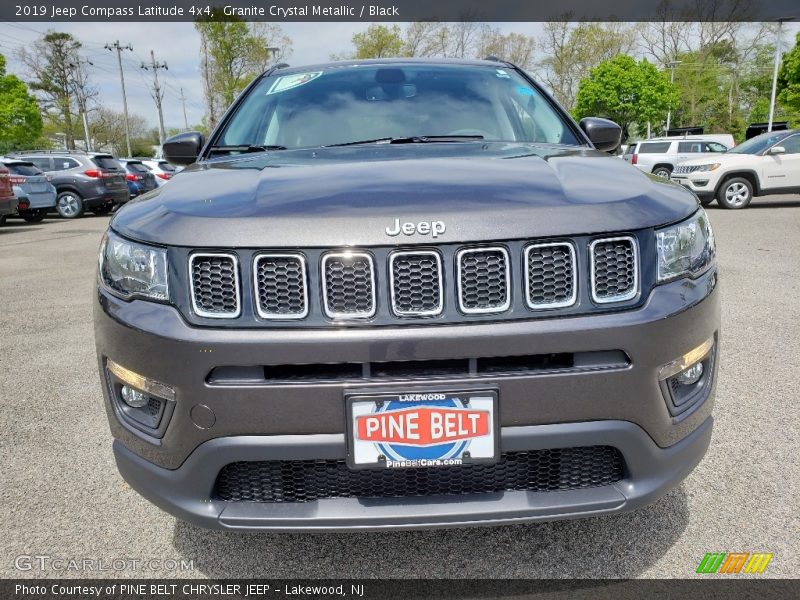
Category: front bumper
<point>702,183</point>
<point>622,407</point>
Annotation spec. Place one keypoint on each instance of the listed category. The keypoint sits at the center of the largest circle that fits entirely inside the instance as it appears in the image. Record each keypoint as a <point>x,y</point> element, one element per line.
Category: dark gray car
<point>404,294</point>
<point>84,181</point>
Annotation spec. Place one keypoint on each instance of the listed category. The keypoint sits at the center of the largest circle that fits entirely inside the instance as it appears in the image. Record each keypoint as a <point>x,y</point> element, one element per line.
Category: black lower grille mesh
<point>309,480</point>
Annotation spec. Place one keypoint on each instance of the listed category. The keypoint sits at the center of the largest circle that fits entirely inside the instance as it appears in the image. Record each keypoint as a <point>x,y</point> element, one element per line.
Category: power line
<point>116,47</point>
<point>158,94</point>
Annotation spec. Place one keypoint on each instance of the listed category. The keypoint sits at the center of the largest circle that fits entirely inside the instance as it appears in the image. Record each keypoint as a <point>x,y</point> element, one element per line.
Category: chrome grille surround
<point>258,285</point>
<point>195,291</point>
<point>570,279</point>
<point>464,284</point>
<point>328,290</point>
<point>596,273</point>
<point>394,284</point>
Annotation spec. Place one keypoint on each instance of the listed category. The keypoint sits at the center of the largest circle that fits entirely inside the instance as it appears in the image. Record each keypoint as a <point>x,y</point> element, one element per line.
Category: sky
<point>179,46</point>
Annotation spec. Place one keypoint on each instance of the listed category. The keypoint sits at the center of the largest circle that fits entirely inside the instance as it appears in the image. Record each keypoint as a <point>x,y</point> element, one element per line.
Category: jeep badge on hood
<point>434,228</point>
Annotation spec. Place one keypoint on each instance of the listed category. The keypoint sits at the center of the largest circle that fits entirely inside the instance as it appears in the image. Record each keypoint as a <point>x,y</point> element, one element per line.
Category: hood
<point>349,196</point>
<point>725,158</point>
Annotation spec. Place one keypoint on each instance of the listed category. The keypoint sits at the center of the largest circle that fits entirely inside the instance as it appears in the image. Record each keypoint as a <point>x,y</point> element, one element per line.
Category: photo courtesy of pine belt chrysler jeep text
<point>402,294</point>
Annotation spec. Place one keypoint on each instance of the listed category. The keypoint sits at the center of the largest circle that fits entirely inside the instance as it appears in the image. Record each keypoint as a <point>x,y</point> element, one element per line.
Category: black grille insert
<point>309,480</point>
<point>483,280</point>
<point>614,269</point>
<point>281,286</point>
<point>348,285</point>
<point>215,285</point>
<point>550,275</point>
<point>416,285</point>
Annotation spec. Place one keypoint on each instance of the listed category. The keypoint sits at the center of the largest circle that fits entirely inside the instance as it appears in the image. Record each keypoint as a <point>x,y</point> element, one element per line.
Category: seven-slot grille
<point>280,286</point>
<point>215,285</point>
<point>416,283</point>
<point>550,275</point>
<point>484,283</point>
<point>614,271</point>
<point>347,284</point>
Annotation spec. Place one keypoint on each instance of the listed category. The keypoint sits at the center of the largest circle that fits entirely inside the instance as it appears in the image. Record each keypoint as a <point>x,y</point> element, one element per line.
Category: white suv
<point>766,164</point>
<point>659,156</point>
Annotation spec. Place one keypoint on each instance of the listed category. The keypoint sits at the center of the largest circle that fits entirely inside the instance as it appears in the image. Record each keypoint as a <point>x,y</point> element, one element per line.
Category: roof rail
<point>280,65</point>
<point>493,58</point>
<point>24,152</point>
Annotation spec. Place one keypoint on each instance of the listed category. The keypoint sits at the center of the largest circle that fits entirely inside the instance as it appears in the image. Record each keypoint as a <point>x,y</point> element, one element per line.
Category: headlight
<point>686,248</point>
<point>130,269</point>
<point>708,167</point>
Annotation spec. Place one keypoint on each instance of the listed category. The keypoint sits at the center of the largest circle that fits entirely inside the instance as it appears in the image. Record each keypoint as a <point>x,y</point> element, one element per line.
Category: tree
<point>572,50</point>
<point>513,47</point>
<point>233,52</point>
<point>50,60</point>
<point>378,41</point>
<point>625,91</point>
<point>108,132</point>
<point>789,78</point>
<point>20,119</point>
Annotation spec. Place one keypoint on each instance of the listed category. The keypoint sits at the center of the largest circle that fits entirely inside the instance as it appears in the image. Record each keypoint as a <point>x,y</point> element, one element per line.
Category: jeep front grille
<point>309,480</point>
<point>416,283</point>
<point>385,285</point>
<point>348,285</point>
<point>614,269</point>
<point>550,275</point>
<point>280,286</point>
<point>483,280</point>
<point>215,285</point>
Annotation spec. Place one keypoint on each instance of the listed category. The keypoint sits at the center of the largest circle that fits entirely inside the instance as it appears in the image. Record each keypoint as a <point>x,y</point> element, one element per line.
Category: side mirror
<point>777,150</point>
<point>183,148</point>
<point>604,134</point>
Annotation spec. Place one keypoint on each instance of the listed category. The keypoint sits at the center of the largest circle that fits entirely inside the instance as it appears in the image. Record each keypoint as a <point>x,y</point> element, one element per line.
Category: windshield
<point>368,102</point>
<point>758,143</point>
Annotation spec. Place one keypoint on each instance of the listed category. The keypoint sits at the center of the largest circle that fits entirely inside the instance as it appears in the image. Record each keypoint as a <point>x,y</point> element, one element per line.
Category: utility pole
<point>157,94</point>
<point>112,47</point>
<point>671,64</point>
<point>781,21</point>
<point>183,102</point>
<point>79,83</point>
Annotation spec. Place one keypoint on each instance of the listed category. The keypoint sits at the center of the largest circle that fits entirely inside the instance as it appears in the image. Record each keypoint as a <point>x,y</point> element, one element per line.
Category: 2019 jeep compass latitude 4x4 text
<point>401,294</point>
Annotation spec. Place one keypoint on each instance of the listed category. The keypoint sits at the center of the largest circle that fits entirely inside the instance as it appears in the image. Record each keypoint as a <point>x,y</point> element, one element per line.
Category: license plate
<point>422,429</point>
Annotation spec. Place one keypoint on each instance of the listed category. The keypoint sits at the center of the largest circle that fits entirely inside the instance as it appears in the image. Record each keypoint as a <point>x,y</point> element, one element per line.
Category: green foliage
<point>378,41</point>
<point>626,92</point>
<point>789,79</point>
<point>20,119</point>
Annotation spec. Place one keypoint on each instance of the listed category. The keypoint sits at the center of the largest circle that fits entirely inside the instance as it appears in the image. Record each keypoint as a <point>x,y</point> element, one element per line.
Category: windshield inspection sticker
<point>502,74</point>
<point>524,91</point>
<point>288,82</point>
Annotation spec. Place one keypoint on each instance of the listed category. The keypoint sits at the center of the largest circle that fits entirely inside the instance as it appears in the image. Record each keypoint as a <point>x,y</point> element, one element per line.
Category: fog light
<point>691,375</point>
<point>687,360</point>
<point>134,398</point>
<point>140,382</point>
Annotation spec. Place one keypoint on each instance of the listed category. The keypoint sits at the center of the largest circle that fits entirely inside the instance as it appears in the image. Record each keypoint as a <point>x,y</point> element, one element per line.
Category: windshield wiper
<point>415,139</point>
<point>245,148</point>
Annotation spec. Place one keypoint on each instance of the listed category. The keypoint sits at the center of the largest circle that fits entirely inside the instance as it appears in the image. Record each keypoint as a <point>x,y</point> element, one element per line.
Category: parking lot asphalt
<point>61,496</point>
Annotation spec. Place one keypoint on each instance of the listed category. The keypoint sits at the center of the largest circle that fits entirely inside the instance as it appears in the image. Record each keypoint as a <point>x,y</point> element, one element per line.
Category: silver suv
<point>83,180</point>
<point>660,156</point>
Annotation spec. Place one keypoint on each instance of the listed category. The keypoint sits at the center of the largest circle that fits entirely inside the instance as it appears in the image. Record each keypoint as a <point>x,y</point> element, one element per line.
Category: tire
<point>101,211</point>
<point>735,193</point>
<point>706,201</point>
<point>69,205</point>
<point>3,220</point>
<point>663,172</point>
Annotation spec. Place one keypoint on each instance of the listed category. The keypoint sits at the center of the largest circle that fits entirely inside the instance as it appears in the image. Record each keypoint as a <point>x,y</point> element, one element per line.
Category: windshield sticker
<point>289,82</point>
<point>502,74</point>
<point>524,91</point>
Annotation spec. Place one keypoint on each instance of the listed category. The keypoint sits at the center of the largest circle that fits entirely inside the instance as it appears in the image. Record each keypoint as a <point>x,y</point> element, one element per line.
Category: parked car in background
<point>8,201</point>
<point>161,169</point>
<point>32,187</point>
<point>766,164</point>
<point>83,180</point>
<point>140,179</point>
<point>660,156</point>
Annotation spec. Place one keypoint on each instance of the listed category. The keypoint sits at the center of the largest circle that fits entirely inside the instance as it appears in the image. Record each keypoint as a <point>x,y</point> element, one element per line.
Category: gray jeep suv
<point>83,180</point>
<point>404,294</point>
